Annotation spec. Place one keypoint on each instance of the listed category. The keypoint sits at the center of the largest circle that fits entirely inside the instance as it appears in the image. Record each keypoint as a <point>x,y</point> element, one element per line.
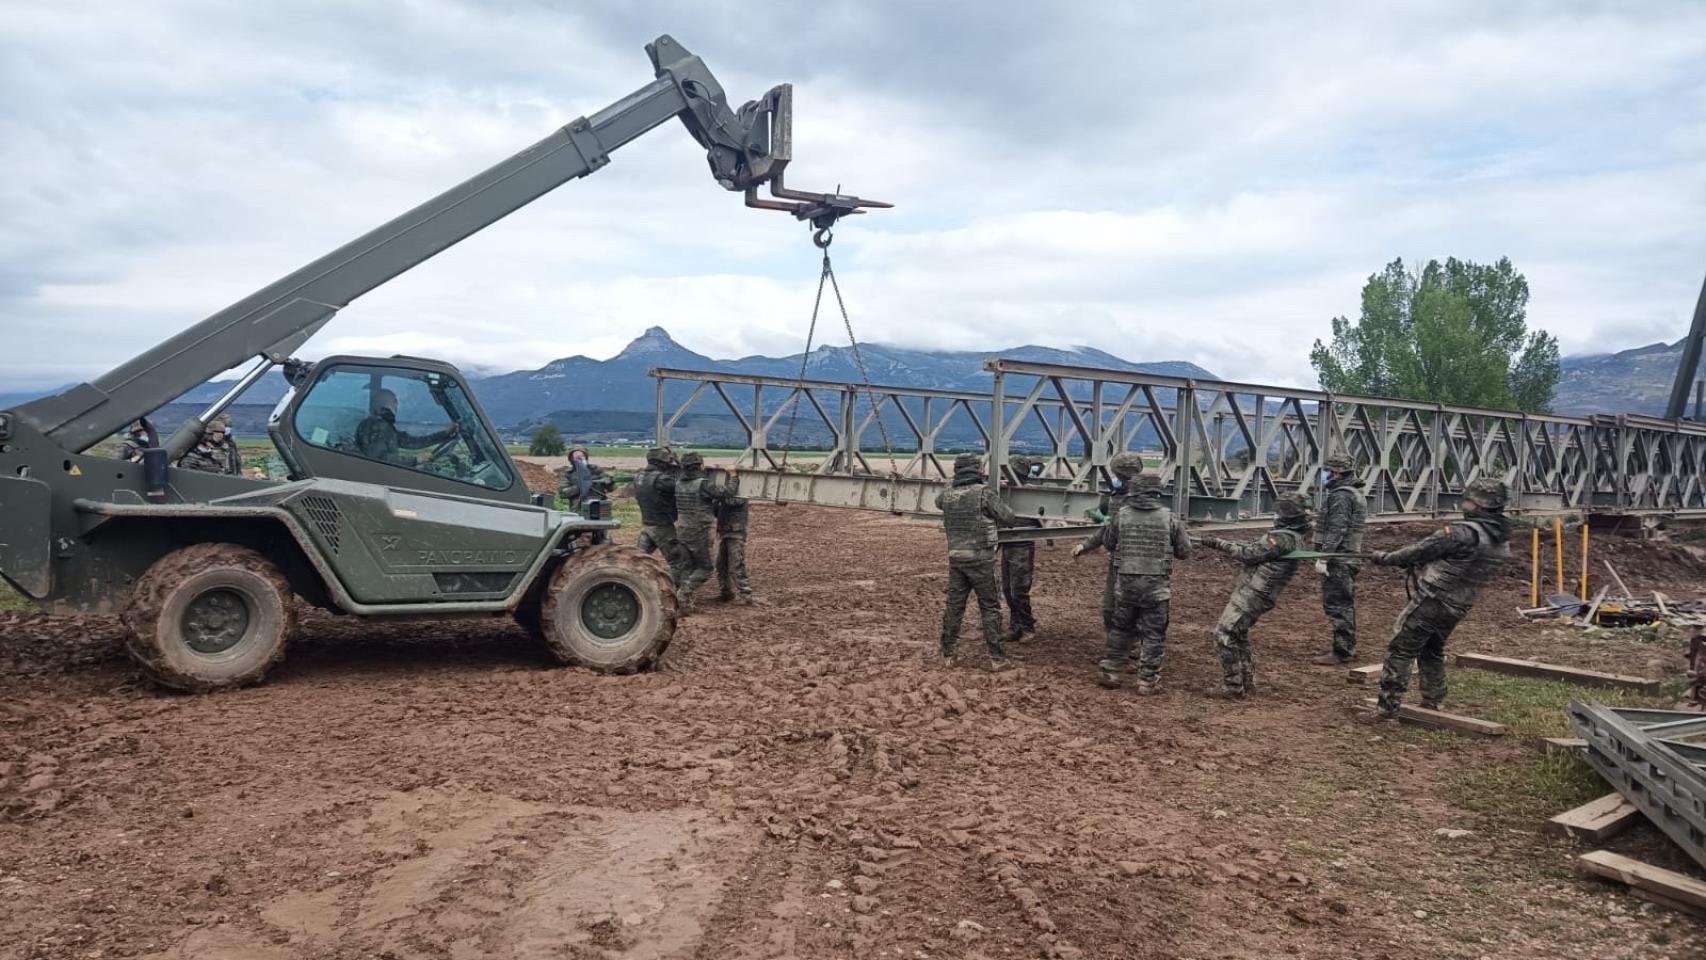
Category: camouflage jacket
<point>971,513</point>
<point>1342,518</point>
<point>732,516</point>
<point>654,490</point>
<point>1143,538</point>
<point>1263,575</point>
<point>1458,561</point>
<point>208,458</point>
<point>379,438</point>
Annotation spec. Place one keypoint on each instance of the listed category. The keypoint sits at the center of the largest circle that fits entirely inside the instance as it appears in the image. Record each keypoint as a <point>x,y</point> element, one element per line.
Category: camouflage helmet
<point>968,461</point>
<point>660,456</point>
<point>1339,463</point>
<point>692,460</point>
<point>1491,494</point>
<point>1290,506</point>
<point>1146,483</point>
<point>1126,465</point>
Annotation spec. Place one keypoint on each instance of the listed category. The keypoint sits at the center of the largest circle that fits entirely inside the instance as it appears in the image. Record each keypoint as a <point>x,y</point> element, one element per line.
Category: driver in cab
<point>378,437</point>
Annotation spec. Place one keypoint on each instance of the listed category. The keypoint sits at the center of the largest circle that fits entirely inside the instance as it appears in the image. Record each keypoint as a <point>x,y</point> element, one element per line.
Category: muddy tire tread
<point>148,600</point>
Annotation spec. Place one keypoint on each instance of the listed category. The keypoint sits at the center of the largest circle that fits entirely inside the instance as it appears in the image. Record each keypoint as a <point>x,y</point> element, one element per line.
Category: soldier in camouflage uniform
<point>971,513</point>
<point>216,453</point>
<point>1144,539</point>
<point>379,438</point>
<point>582,480</point>
<point>1454,564</point>
<point>695,499</point>
<point>1018,566</point>
<point>137,441</point>
<point>1340,531</point>
<point>1109,503</point>
<point>654,491</point>
<point>731,551</point>
<point>1260,582</point>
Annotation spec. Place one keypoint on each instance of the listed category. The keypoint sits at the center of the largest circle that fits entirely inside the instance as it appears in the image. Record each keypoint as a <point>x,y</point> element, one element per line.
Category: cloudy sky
<point>1208,181</point>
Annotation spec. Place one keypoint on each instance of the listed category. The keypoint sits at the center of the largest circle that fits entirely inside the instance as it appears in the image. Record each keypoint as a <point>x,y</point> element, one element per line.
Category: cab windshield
<point>417,419</point>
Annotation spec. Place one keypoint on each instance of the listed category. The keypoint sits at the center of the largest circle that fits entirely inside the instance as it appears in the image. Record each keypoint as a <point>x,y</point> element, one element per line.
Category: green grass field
<point>11,600</point>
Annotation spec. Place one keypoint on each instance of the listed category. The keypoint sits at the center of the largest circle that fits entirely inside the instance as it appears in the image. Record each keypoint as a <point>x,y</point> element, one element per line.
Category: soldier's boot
<point>742,600</point>
<point>1227,692</point>
<point>1432,703</point>
<point>1110,673</point>
<point>1331,660</point>
<point>1147,688</point>
<point>1374,716</point>
<point>1001,664</point>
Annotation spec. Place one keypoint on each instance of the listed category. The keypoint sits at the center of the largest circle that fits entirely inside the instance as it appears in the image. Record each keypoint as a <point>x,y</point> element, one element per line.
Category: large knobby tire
<point>210,616</point>
<point>610,608</point>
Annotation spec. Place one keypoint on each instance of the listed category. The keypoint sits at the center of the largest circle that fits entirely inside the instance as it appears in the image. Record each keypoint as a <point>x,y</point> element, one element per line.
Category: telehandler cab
<point>400,499</point>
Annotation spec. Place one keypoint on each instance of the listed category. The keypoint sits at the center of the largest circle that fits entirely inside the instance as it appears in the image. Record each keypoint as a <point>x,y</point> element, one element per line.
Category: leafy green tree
<point>547,442</point>
<point>1455,333</point>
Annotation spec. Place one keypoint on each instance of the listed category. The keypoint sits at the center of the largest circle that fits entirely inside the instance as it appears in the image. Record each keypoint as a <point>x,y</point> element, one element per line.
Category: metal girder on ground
<point>1225,450</point>
<point>1657,760</point>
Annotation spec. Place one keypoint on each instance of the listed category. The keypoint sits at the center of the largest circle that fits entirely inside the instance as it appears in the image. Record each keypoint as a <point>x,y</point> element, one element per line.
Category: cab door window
<point>418,420</point>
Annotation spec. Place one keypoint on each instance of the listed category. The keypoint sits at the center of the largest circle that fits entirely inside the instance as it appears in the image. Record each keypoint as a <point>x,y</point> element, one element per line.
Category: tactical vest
<point>1145,545</point>
<point>971,531</point>
<point>1457,581</point>
<point>1347,492</point>
<point>692,511</point>
<point>657,506</point>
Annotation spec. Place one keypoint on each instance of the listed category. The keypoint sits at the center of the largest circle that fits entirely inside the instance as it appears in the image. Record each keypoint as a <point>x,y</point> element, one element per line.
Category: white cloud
<point>1208,182</point>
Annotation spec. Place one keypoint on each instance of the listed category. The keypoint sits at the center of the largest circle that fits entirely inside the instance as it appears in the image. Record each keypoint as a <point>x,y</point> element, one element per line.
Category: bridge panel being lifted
<point>1224,450</point>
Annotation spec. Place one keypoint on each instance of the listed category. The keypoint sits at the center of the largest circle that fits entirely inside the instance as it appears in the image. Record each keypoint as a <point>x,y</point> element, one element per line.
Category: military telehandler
<point>399,499</point>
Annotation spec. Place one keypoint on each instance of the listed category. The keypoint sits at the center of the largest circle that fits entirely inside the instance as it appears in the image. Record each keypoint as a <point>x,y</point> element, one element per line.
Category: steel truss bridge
<point>1225,450</point>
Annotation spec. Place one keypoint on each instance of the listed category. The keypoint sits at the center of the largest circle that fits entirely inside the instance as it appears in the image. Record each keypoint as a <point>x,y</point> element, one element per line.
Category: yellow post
<point>1558,550</point>
<point>1534,571</point>
<point>1584,591</point>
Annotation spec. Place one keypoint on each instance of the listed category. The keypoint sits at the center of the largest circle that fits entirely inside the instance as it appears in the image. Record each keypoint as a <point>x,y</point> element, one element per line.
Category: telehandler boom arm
<point>746,148</point>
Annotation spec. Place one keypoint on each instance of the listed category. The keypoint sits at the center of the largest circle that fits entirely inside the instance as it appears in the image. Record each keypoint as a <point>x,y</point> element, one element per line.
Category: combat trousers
<point>696,563</point>
<point>1339,602</point>
<point>1018,572</point>
<point>1419,638</point>
<point>964,578</point>
<point>1139,619</point>
<point>1108,588</point>
<point>731,566</point>
<point>662,537</point>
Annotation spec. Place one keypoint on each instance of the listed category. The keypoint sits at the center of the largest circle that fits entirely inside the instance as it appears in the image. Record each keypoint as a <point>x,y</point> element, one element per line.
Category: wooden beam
<point>1598,598</point>
<point>1556,746</point>
<point>1595,820</point>
<point>1365,674</point>
<point>1448,721</point>
<point>1675,888</point>
<point>1620,584</point>
<point>1551,671</point>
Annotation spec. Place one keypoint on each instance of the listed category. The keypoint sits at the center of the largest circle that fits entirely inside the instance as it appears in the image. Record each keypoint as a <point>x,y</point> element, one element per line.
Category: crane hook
<point>822,238</point>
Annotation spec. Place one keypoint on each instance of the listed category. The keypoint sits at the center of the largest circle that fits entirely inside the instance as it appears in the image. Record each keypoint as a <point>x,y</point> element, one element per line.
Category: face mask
<point>1117,485</point>
<point>1326,476</point>
<point>1036,469</point>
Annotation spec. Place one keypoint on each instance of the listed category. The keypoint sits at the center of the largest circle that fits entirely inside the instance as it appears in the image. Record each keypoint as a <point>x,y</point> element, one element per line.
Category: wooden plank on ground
<point>1552,671</point>
<point>1595,820</point>
<point>1620,584</point>
<point>1598,598</point>
<point>1365,674</point>
<point>1676,888</point>
<point>1555,746</point>
<point>1448,721</point>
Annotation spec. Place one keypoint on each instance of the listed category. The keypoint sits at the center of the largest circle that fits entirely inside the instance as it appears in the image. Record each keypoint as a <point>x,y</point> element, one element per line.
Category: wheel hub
<point>610,611</point>
<point>215,621</point>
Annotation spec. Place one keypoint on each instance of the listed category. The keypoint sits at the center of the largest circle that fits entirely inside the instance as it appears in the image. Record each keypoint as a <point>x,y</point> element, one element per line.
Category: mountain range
<point>584,395</point>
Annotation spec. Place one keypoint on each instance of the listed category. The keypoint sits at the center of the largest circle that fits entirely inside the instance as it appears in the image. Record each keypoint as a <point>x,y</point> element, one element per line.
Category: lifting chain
<point>822,238</point>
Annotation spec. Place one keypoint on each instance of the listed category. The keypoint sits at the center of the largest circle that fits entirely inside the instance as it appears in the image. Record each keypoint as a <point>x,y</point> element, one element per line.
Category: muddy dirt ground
<point>797,783</point>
